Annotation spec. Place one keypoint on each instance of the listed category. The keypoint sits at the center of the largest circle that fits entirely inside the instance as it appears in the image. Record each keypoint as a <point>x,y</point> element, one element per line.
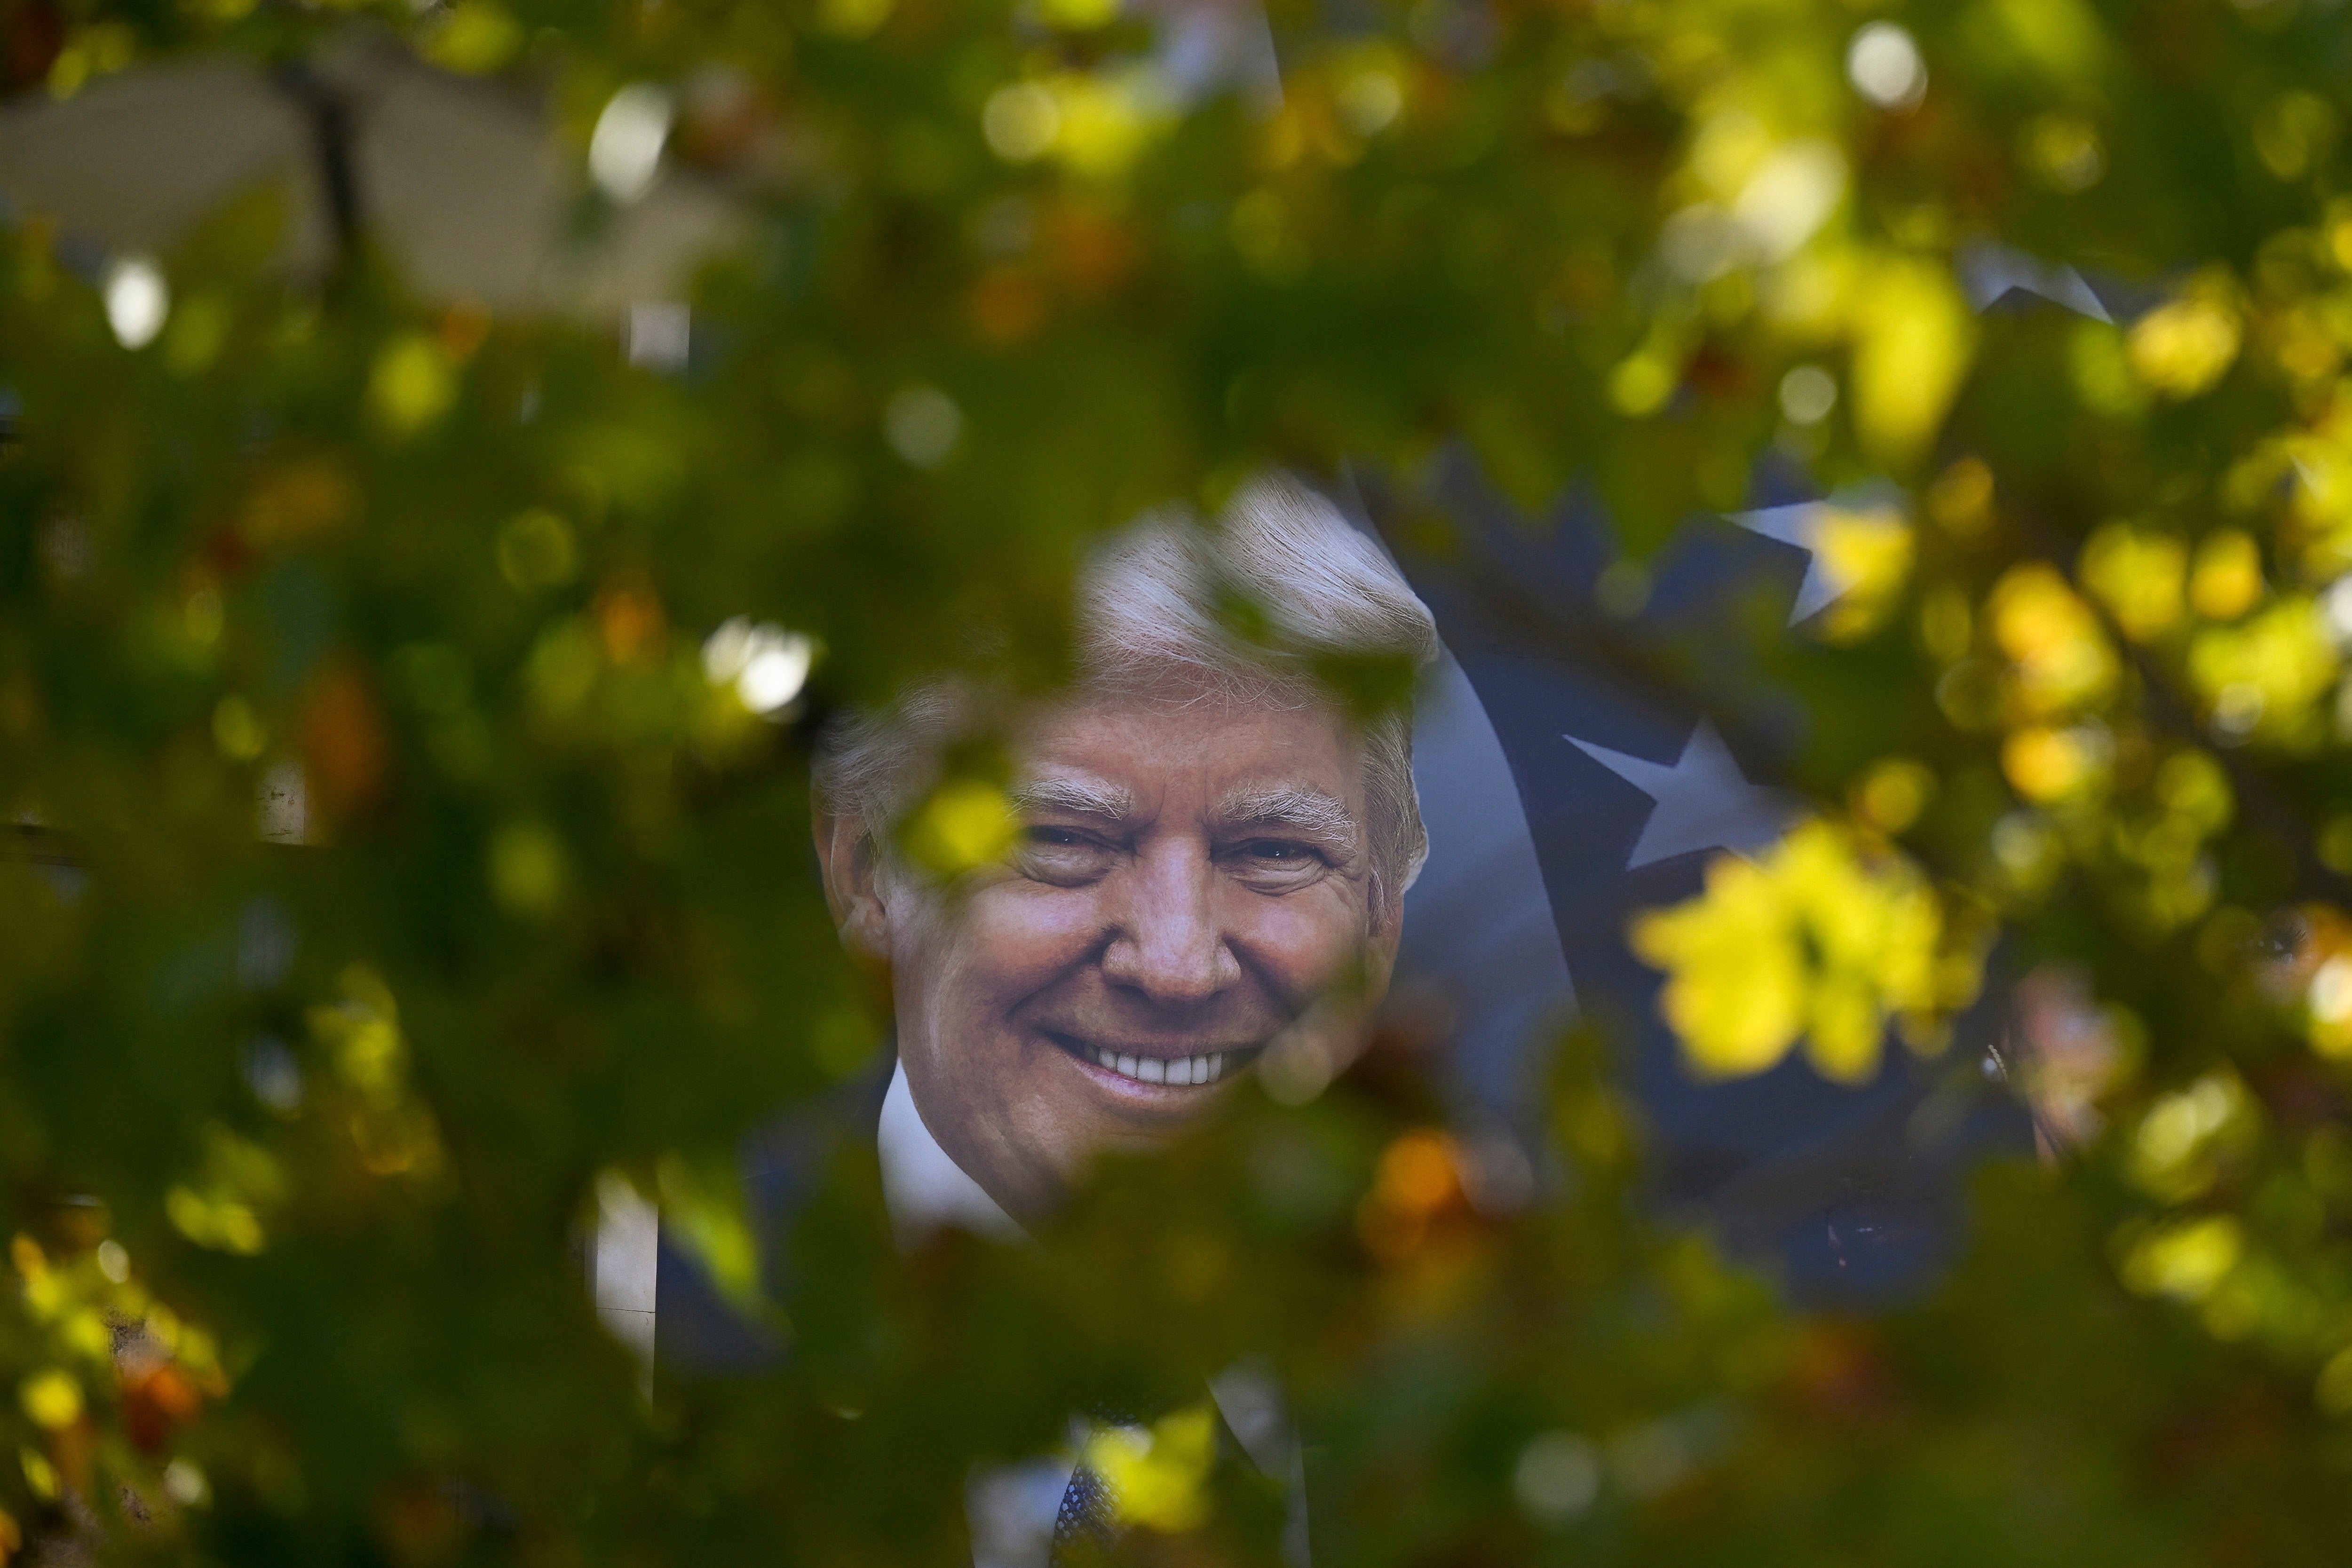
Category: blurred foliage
<point>1812,943</point>
<point>299,1142</point>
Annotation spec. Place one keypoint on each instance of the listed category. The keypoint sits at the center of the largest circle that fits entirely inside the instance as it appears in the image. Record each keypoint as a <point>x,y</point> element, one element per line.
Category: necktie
<point>1085,1529</point>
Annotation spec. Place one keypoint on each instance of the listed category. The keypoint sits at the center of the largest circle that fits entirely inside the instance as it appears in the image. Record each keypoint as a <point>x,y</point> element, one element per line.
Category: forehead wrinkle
<point>1076,796</point>
<point>1306,811</point>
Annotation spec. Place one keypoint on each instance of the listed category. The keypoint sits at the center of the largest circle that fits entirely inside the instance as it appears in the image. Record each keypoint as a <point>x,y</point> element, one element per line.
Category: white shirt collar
<point>922,1186</point>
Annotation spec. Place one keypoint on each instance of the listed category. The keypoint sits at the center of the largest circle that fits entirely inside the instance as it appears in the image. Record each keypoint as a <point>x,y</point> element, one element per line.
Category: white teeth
<point>1184,1071</point>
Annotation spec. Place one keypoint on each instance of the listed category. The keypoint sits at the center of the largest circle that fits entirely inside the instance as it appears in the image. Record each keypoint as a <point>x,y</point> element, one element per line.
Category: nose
<point>1167,942</point>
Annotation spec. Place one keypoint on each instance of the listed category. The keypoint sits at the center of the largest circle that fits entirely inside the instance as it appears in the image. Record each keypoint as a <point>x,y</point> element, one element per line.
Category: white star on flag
<point>1799,524</point>
<point>1703,800</point>
<point>1989,271</point>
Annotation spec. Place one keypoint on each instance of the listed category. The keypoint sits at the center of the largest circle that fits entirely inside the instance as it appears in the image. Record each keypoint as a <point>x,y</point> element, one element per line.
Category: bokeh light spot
<point>1808,392</point>
<point>1556,1478</point>
<point>137,300</point>
<point>1021,121</point>
<point>626,149</point>
<point>1884,64</point>
<point>923,424</point>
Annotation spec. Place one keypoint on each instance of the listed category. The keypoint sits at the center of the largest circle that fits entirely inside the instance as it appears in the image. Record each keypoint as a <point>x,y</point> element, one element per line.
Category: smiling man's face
<point>1190,876</point>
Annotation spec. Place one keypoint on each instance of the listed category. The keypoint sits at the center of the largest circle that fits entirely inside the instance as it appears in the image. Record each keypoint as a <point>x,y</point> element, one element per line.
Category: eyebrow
<point>1311,813</point>
<point>1077,798</point>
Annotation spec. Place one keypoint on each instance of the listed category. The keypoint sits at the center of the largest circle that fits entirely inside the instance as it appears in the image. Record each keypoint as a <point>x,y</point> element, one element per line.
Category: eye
<point>1277,865</point>
<point>1065,857</point>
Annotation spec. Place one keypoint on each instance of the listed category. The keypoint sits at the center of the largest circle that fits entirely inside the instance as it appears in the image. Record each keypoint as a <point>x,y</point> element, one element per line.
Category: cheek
<point>1010,940</point>
<point>1304,939</point>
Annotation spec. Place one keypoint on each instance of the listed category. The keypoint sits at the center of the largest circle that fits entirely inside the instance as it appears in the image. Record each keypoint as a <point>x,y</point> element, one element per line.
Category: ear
<point>850,862</point>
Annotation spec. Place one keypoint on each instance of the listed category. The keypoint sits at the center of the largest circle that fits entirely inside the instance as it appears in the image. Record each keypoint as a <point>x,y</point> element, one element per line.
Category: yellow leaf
<point>2266,673</point>
<point>2060,37</point>
<point>2172,1148</point>
<point>2099,357</point>
<point>2186,1259</point>
<point>413,384</point>
<point>1961,498</point>
<point>1913,338</point>
<point>2046,763</point>
<point>1639,385</point>
<point>86,1332</point>
<point>2138,576</point>
<point>1735,982</point>
<point>705,1211</point>
<point>52,1398</point>
<point>2182,348</point>
<point>1841,1034</point>
<point>1078,15</point>
<point>2059,657</point>
<point>1158,1478</point>
<point>474,37</point>
<point>966,824</point>
<point>1868,553</point>
<point>223,1225</point>
<point>1815,941</point>
<point>1892,791</point>
<point>2228,576</point>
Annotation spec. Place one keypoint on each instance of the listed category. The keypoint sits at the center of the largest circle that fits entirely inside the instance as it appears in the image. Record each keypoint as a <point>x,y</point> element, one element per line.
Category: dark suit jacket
<point>695,1332</point>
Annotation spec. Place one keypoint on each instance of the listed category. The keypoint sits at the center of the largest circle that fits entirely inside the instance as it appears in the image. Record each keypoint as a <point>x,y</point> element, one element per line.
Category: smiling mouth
<point>1178,1073</point>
